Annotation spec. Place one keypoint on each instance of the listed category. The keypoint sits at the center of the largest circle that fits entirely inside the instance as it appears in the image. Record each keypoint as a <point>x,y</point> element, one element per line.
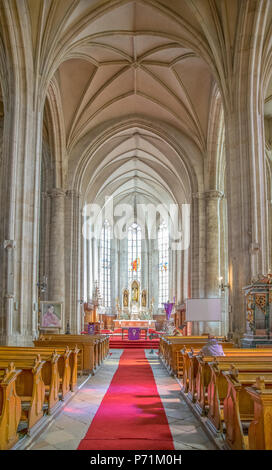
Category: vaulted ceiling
<point>159,61</point>
<point>129,60</point>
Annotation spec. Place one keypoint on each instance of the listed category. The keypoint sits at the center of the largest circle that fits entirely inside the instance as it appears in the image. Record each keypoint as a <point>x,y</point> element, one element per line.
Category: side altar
<point>134,311</point>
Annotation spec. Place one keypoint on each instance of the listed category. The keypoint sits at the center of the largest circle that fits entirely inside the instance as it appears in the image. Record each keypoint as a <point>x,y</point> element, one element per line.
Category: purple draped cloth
<point>168,306</point>
<point>91,330</point>
<point>134,333</point>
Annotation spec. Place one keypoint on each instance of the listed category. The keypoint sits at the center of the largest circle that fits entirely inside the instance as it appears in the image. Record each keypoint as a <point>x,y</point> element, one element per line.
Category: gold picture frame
<point>51,315</point>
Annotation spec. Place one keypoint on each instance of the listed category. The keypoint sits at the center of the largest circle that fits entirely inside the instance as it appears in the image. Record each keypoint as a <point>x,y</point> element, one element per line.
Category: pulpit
<point>258,313</point>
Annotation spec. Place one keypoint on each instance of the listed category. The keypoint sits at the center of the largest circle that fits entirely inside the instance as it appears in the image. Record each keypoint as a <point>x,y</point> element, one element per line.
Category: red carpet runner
<point>131,415</point>
<point>116,342</point>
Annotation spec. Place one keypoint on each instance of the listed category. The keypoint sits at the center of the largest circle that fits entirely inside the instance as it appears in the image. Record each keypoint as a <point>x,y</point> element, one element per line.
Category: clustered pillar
<point>56,254</point>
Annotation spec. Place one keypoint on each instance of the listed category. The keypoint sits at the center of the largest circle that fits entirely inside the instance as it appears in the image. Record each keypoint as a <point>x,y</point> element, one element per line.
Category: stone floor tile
<point>58,436</point>
<point>181,446</point>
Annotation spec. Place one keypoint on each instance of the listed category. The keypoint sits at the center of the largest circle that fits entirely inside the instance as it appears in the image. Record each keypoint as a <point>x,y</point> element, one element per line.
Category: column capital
<point>198,195</point>
<point>9,296</point>
<point>45,195</point>
<point>56,192</point>
<point>73,193</point>
<point>9,244</point>
<point>212,194</point>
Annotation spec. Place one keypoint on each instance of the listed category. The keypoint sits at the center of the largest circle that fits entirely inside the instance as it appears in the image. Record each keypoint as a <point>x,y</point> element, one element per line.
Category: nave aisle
<point>71,426</point>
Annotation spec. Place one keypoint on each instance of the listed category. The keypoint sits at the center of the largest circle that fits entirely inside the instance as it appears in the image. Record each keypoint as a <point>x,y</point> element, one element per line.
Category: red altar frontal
<point>134,324</point>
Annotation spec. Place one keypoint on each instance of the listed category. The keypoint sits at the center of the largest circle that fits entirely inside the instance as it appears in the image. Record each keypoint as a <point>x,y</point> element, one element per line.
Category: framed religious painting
<point>51,316</point>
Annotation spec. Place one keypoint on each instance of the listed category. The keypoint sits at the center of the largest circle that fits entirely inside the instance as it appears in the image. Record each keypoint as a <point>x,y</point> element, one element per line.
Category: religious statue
<point>135,292</point>
<point>144,298</point>
<point>125,298</point>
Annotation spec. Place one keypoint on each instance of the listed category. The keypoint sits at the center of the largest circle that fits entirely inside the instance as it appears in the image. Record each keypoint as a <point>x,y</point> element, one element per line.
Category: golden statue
<point>125,298</point>
<point>135,291</point>
<point>135,294</point>
<point>144,298</point>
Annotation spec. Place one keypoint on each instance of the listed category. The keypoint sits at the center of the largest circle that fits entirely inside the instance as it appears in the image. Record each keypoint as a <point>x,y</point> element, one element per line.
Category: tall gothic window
<point>163,247</point>
<point>134,252</point>
<point>105,264</point>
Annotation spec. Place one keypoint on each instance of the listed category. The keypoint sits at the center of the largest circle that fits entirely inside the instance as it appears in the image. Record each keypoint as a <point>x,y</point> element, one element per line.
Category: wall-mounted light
<point>42,285</point>
<point>222,286</point>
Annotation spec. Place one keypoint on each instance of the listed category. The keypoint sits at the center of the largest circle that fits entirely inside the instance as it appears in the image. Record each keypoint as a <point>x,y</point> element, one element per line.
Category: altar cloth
<point>134,333</point>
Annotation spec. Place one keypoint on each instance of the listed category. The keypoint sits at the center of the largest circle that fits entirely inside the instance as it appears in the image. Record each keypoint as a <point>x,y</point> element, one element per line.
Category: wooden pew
<point>247,408</point>
<point>203,379</point>
<point>211,384</point>
<point>183,360</point>
<point>89,345</point>
<point>10,407</point>
<point>50,373</point>
<point>59,373</point>
<point>260,429</point>
<point>30,388</point>
<point>218,383</point>
<point>97,352</point>
<point>74,358</point>
<point>171,344</point>
<point>86,359</point>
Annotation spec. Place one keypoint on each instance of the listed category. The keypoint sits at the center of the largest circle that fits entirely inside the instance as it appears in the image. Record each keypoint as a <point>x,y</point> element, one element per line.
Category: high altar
<point>134,311</point>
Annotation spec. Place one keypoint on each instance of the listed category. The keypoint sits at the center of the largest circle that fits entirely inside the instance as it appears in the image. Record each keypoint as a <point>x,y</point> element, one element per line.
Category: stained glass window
<point>134,252</point>
<point>105,264</point>
<point>163,247</point>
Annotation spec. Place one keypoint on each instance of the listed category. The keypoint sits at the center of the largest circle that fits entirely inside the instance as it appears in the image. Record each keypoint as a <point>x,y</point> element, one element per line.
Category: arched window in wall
<point>134,252</point>
<point>163,247</point>
<point>105,264</point>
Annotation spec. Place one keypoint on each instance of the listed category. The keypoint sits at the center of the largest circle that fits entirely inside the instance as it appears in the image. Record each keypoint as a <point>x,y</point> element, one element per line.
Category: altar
<point>134,311</point>
<point>134,324</point>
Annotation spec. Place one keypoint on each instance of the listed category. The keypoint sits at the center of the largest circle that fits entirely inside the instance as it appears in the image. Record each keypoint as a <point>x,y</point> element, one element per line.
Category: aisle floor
<point>71,425</point>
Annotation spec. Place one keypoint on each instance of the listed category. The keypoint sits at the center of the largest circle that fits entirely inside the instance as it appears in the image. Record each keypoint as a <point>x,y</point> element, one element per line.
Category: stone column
<point>224,266</point>
<point>269,210</point>
<point>247,217</point>
<point>9,247</point>
<point>195,287</point>
<point>113,269</point>
<point>44,249</point>
<point>116,292</point>
<point>197,248</point>
<point>90,263</point>
<point>245,159</point>
<point>83,272</point>
<point>150,293</point>
<point>20,188</point>
<point>123,267</point>
<point>56,255</point>
<point>212,243</point>
<point>73,242</point>
<point>155,275</point>
<point>212,253</point>
<point>179,279</point>
<point>173,274</point>
<point>144,268</point>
